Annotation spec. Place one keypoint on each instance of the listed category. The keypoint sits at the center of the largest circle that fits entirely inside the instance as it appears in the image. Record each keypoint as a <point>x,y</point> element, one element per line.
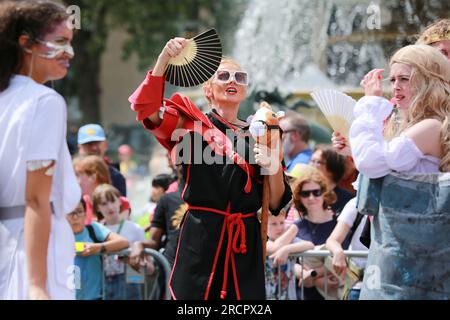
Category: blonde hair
<point>93,165</point>
<point>315,176</point>
<point>430,87</point>
<point>207,85</point>
<point>393,125</point>
<point>438,31</point>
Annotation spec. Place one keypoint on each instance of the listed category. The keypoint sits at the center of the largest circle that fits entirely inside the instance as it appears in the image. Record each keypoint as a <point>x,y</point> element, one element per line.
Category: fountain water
<point>343,39</point>
<point>296,46</point>
<point>282,36</point>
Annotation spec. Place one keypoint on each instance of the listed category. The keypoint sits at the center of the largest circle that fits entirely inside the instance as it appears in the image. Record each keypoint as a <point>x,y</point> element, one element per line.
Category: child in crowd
<point>94,239</point>
<point>107,204</point>
<point>280,277</point>
<point>160,186</point>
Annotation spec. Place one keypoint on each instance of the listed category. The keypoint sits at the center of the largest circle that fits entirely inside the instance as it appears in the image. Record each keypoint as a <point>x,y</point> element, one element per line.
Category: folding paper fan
<point>198,61</point>
<point>337,108</point>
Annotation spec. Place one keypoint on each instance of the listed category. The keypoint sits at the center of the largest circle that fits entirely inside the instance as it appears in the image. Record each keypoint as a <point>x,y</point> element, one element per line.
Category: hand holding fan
<point>198,61</point>
<point>337,108</point>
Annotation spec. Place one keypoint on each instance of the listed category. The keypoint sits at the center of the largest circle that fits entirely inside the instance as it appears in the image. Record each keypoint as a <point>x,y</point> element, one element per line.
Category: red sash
<point>233,224</point>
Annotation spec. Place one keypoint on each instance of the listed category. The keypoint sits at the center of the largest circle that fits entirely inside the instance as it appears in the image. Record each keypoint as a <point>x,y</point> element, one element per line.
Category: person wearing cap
<point>92,141</point>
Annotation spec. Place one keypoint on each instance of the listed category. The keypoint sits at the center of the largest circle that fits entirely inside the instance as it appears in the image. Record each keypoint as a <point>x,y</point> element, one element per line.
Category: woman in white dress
<point>420,77</point>
<point>37,183</point>
<point>413,215</point>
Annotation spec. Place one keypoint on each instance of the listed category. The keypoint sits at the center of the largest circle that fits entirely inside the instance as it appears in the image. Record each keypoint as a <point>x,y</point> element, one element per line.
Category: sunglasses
<point>225,76</point>
<point>307,193</point>
<point>57,49</point>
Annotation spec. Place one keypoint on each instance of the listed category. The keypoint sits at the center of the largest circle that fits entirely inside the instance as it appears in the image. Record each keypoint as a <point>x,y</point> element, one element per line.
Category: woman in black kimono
<point>219,253</point>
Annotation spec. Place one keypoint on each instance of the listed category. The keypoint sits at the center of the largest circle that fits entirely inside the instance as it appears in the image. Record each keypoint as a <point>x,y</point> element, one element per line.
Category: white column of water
<point>277,39</point>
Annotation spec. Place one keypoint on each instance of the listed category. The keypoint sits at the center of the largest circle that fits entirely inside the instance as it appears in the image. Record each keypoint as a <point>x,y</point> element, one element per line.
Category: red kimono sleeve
<point>148,99</point>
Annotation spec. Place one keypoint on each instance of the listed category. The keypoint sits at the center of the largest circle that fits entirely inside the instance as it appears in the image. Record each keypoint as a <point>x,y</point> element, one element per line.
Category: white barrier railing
<point>318,254</point>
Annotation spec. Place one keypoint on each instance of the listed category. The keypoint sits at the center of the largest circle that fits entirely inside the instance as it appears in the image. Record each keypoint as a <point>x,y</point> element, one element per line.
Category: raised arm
<point>172,49</point>
<point>340,144</point>
<point>148,98</point>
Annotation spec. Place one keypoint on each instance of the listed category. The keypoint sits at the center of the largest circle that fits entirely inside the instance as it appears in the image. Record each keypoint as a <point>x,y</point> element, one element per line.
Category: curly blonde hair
<point>430,86</point>
<point>312,175</point>
<point>395,123</point>
<point>438,31</point>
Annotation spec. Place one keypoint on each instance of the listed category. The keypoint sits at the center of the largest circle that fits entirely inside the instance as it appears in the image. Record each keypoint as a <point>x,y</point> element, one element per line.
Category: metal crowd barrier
<point>162,266</point>
<point>300,257</point>
<point>144,282</point>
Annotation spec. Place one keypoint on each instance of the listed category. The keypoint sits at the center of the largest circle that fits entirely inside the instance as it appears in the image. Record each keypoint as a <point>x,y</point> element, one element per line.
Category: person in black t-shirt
<point>165,225</point>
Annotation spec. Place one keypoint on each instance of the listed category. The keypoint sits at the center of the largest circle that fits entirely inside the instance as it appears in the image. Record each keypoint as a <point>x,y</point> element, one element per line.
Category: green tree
<point>149,23</point>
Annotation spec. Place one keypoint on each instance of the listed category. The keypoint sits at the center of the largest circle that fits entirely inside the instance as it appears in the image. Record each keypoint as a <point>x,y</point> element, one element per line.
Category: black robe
<point>219,196</point>
<point>197,272</point>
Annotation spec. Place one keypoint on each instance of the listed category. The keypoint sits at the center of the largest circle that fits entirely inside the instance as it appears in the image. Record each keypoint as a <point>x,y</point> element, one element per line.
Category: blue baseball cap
<point>91,132</point>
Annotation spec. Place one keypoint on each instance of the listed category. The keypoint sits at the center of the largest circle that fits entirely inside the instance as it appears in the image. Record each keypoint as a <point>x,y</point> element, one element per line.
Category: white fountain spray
<point>276,40</point>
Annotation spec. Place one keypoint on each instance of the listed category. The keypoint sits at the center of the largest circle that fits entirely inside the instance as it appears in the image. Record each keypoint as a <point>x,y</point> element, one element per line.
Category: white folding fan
<point>337,108</point>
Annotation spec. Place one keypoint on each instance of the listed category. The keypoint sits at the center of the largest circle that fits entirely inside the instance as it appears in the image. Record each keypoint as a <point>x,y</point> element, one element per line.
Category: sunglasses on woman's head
<point>307,193</point>
<point>225,76</point>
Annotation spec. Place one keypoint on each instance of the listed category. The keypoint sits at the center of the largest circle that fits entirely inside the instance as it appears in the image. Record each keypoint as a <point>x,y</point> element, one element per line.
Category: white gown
<point>33,127</point>
<point>374,156</point>
<point>408,255</point>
